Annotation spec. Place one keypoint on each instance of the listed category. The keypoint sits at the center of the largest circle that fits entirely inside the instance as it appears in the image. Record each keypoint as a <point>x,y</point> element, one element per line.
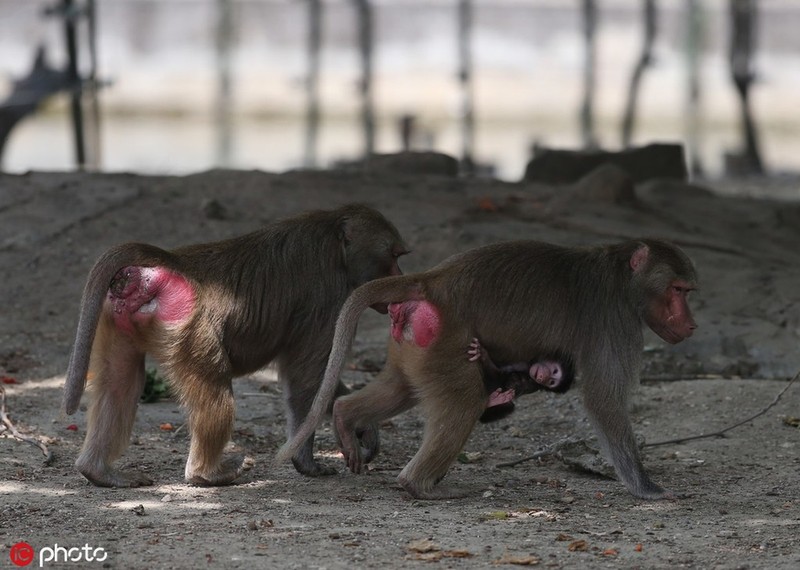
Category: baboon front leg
<point>117,381</point>
<point>609,415</point>
<point>384,397</point>
<point>211,410</point>
<point>452,405</point>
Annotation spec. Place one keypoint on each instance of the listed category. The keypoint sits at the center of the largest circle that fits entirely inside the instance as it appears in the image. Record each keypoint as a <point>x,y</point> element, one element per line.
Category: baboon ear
<point>639,258</point>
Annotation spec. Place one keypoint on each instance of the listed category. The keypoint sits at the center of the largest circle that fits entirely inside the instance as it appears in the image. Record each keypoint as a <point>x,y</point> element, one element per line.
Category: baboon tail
<point>94,294</point>
<point>392,289</point>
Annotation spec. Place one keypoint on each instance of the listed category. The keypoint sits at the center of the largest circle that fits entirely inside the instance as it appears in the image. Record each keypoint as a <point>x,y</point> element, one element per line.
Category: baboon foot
<point>369,442</point>
<point>104,476</point>
<point>313,468</point>
<point>429,491</point>
<point>226,473</point>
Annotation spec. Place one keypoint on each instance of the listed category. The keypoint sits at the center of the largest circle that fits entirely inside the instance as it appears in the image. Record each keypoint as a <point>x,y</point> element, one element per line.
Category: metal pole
<point>365,45</point>
<point>93,89</point>
<point>224,83</point>
<point>70,16</point>
<point>587,107</point>
<point>312,81</point>
<point>465,78</point>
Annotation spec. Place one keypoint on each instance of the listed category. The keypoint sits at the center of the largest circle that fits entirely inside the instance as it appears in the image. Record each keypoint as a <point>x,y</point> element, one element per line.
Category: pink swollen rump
<point>139,294</point>
<point>415,321</point>
<point>426,323</point>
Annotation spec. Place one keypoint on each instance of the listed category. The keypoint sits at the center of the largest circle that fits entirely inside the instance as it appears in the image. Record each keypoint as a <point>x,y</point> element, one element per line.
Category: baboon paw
<point>116,478</point>
<point>313,469</point>
<point>656,493</point>
<point>369,442</point>
<point>354,462</point>
<point>667,495</point>
<point>351,444</point>
<point>227,472</point>
<point>429,492</point>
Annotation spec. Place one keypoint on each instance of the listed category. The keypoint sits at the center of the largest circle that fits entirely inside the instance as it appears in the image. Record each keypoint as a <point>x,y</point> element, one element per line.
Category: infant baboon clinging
<point>418,322</point>
<point>507,382</point>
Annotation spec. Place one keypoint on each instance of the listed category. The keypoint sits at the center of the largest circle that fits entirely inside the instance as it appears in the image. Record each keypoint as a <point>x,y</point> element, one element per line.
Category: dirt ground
<point>743,504</point>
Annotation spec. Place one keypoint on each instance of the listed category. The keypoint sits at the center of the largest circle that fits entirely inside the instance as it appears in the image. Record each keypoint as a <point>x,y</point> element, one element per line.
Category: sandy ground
<point>743,508</point>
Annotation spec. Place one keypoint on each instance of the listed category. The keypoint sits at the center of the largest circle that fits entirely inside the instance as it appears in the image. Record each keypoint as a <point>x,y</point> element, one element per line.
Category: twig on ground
<point>543,452</point>
<point>6,425</point>
<point>551,449</point>
<point>722,432</point>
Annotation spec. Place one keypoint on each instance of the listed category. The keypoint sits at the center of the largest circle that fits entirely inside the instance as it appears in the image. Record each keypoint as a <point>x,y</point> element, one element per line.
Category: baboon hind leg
<point>452,404</point>
<point>117,379</point>
<point>384,397</point>
<point>211,412</point>
<point>301,376</point>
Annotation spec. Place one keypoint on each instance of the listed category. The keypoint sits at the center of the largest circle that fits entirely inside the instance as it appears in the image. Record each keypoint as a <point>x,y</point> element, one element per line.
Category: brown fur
<point>519,298</point>
<point>269,296</point>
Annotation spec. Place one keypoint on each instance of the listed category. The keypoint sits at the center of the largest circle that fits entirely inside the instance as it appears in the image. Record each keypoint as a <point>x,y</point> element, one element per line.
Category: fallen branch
<point>541,453</point>
<point>6,425</point>
<point>722,432</point>
<point>552,449</point>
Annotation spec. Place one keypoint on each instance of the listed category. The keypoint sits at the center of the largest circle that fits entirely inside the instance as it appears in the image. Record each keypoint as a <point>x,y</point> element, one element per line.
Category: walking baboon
<point>210,312</point>
<point>520,298</point>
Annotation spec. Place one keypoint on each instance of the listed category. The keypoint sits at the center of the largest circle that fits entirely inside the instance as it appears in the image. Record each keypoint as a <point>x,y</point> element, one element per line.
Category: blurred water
<point>180,145</point>
<point>160,55</point>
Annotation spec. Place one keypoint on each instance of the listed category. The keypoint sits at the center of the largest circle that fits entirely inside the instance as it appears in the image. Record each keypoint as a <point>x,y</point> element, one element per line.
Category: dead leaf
<point>495,516</point>
<point>469,456</point>
<point>790,421</point>
<point>638,547</point>
<point>422,545</point>
<point>515,431</point>
<point>610,552</point>
<point>564,537</point>
<point>458,553</point>
<point>487,204</point>
<point>166,426</point>
<point>578,546</point>
<point>425,556</point>
<point>529,560</point>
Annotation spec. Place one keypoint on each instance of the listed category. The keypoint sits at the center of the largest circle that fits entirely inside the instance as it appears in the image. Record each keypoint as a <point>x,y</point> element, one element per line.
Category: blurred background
<point>178,86</point>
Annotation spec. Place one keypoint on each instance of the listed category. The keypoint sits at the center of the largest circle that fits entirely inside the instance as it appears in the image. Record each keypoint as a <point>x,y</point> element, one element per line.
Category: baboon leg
<point>452,403</point>
<point>609,415</point>
<point>117,380</point>
<point>300,377</point>
<point>384,397</point>
<point>211,412</point>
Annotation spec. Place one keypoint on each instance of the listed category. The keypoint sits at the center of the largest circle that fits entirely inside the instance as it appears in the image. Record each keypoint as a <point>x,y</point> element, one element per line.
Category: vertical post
<point>314,44</point>
<point>743,46</point>
<point>222,109</point>
<point>365,47</point>
<point>587,107</point>
<point>93,89</point>
<point>645,60</point>
<point>465,79</point>
<point>695,33</point>
<point>76,88</point>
